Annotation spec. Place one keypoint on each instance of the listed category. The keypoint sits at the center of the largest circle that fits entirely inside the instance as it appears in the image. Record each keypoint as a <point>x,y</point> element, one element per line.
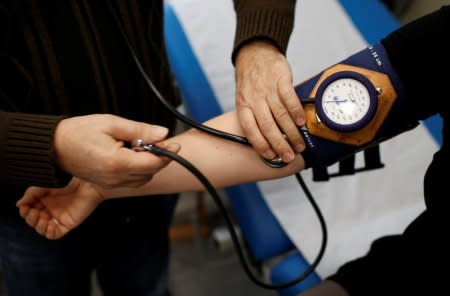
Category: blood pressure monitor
<point>348,104</point>
<point>352,106</point>
<point>346,101</point>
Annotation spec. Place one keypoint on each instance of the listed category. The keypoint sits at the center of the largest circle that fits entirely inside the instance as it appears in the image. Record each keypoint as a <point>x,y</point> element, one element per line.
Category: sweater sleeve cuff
<point>263,24</point>
<point>29,155</point>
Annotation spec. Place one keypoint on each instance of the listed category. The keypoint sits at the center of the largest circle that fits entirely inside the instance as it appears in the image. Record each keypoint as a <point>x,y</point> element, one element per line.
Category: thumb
<point>129,131</point>
<point>31,195</point>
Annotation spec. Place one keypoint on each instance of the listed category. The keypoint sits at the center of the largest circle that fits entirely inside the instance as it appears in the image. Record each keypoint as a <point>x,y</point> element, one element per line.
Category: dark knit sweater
<point>263,20</point>
<point>67,58</point>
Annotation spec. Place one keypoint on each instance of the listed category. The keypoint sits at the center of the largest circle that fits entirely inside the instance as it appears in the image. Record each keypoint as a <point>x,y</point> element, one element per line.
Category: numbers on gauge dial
<point>346,101</point>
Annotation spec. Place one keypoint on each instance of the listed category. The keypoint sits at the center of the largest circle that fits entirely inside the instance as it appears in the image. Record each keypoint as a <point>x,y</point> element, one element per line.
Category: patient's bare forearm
<point>223,162</point>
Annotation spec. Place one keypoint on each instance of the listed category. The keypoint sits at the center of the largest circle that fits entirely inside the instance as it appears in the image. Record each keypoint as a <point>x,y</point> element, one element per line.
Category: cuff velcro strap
<point>347,167</point>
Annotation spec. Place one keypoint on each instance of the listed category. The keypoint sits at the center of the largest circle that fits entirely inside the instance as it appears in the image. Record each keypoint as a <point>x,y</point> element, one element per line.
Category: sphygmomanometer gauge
<point>346,101</point>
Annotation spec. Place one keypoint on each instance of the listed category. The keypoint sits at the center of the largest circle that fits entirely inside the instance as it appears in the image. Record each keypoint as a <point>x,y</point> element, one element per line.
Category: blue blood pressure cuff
<point>350,107</point>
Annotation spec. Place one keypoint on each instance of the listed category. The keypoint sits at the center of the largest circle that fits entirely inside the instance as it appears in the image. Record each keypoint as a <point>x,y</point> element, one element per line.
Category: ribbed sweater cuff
<point>29,152</point>
<point>263,24</point>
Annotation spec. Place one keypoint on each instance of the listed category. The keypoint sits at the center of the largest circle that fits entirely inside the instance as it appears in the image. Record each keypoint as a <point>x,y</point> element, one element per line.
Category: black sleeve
<point>407,264</point>
<point>401,264</point>
<point>419,53</point>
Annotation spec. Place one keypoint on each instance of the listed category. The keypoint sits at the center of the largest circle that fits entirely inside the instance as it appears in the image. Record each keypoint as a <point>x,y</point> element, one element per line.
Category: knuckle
<point>245,120</point>
<point>113,166</point>
<point>240,101</point>
<point>260,145</point>
<point>249,98</point>
<point>246,125</point>
<point>285,90</point>
<point>278,64</point>
<point>140,129</point>
<point>241,98</point>
<point>295,108</point>
<point>266,124</point>
<point>280,146</point>
<point>281,114</point>
<point>297,141</point>
<point>296,138</point>
<point>259,92</point>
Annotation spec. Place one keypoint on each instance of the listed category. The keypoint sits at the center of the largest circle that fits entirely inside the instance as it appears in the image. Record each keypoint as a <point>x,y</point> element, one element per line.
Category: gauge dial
<point>346,101</point>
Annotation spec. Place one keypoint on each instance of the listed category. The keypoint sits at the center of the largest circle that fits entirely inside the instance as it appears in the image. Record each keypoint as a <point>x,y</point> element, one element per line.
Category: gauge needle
<point>351,97</point>
<point>336,100</point>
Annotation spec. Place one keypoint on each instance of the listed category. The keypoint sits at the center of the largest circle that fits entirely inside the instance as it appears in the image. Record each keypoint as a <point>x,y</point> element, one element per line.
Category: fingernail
<point>174,147</point>
<point>288,157</point>
<point>299,147</point>
<point>39,225</point>
<point>160,131</point>
<point>300,120</point>
<point>269,154</point>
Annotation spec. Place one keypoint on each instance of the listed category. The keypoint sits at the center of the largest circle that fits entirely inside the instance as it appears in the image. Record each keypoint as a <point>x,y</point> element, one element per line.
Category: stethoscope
<point>275,163</point>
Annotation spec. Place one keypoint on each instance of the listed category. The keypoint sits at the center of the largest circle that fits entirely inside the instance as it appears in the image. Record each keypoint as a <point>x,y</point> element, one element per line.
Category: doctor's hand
<point>267,105</point>
<point>93,148</point>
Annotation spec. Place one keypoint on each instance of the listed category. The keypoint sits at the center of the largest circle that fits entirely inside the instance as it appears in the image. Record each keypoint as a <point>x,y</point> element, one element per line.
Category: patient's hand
<point>55,212</point>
